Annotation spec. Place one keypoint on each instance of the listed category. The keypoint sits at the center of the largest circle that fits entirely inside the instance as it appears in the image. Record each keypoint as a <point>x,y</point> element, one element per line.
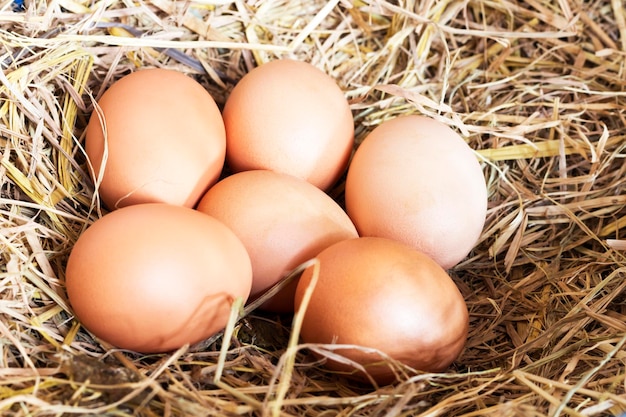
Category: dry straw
<point>538,89</point>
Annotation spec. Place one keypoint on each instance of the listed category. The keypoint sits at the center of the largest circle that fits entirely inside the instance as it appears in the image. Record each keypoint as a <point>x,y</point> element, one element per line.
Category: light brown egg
<point>160,137</point>
<point>154,277</point>
<point>290,117</point>
<point>281,220</point>
<point>381,294</point>
<point>415,180</point>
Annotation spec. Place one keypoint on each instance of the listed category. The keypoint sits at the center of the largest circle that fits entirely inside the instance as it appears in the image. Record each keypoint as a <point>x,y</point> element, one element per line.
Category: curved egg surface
<point>281,220</point>
<point>415,180</point>
<point>290,117</point>
<point>157,136</point>
<point>376,293</point>
<point>153,277</point>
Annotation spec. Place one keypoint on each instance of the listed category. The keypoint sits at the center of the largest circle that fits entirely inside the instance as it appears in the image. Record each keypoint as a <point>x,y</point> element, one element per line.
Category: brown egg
<point>415,180</point>
<point>281,220</point>
<point>165,140</point>
<point>288,116</point>
<point>154,277</point>
<point>381,294</point>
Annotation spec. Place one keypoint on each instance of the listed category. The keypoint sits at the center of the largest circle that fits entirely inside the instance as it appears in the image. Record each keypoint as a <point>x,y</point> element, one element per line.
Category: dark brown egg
<point>380,294</point>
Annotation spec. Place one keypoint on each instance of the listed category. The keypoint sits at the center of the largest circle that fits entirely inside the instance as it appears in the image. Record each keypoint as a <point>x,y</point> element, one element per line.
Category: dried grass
<point>538,89</point>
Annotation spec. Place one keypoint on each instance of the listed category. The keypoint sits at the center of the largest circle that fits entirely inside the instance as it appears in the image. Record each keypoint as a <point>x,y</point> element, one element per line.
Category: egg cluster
<point>185,237</point>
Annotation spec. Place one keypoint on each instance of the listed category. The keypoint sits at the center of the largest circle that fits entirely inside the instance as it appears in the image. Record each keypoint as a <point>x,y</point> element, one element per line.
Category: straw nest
<point>538,89</point>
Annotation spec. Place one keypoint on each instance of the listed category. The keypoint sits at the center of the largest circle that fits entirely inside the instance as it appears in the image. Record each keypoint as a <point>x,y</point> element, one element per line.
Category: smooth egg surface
<point>415,180</point>
<point>380,294</point>
<point>290,117</point>
<point>281,220</point>
<point>156,136</point>
<point>154,277</point>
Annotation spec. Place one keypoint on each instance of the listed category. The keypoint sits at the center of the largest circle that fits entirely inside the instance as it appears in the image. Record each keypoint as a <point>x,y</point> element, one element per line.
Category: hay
<point>538,89</point>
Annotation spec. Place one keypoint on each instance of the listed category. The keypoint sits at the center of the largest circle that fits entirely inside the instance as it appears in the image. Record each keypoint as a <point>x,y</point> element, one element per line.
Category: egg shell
<point>381,294</point>
<point>154,277</point>
<point>161,138</point>
<point>415,180</point>
<point>281,220</point>
<point>289,116</point>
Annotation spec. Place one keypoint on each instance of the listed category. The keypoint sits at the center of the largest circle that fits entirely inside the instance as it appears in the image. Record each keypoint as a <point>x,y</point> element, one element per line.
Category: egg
<point>415,180</point>
<point>383,296</point>
<point>289,116</point>
<point>153,277</point>
<point>156,136</point>
<point>282,221</point>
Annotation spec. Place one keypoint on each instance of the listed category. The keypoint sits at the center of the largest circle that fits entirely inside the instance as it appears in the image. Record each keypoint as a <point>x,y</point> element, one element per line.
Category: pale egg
<point>415,180</point>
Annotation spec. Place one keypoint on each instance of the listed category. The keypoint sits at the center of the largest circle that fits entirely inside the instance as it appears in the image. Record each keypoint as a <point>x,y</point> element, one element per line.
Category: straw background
<point>536,87</point>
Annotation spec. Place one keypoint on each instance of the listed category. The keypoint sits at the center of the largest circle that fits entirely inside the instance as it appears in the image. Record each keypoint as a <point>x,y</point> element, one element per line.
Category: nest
<point>536,87</point>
